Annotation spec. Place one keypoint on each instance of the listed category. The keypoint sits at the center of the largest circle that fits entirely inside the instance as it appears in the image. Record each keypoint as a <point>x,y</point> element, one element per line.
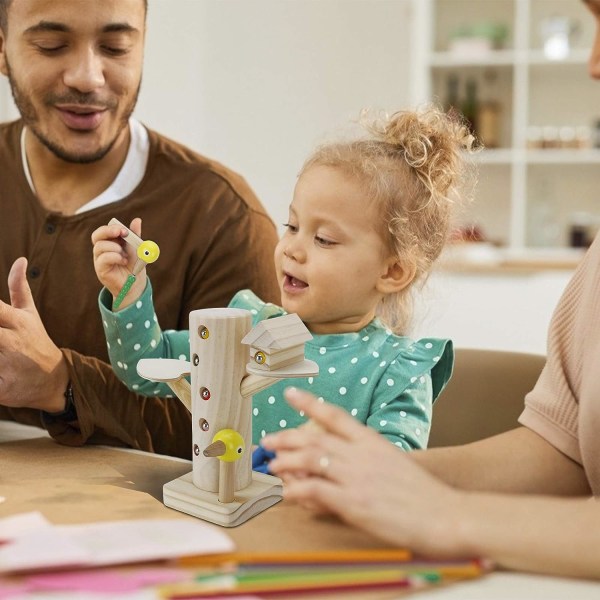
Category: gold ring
<point>324,463</point>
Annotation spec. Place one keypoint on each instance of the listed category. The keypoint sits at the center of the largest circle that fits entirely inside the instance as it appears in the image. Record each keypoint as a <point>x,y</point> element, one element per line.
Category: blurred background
<point>256,84</point>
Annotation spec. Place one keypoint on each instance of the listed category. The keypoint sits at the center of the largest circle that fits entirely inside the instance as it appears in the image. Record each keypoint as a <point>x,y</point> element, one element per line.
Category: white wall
<point>257,83</point>
<point>495,311</point>
<point>8,110</point>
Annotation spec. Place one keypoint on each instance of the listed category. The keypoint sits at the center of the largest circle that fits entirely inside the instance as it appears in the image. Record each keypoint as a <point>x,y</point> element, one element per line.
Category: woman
<point>521,498</point>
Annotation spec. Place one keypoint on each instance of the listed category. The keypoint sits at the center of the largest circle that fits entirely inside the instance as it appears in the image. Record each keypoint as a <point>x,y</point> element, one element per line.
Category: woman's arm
<point>517,461</point>
<point>543,534</point>
<point>347,469</point>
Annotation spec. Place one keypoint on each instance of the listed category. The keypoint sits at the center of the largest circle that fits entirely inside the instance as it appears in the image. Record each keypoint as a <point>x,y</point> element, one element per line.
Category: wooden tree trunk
<point>218,364</point>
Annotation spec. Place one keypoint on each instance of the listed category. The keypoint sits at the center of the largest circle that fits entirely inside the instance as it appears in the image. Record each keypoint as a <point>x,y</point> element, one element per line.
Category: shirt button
<point>34,272</point>
<point>50,227</point>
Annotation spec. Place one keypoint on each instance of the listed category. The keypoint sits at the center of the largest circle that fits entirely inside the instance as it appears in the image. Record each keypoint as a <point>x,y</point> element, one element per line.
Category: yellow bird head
<point>228,443</point>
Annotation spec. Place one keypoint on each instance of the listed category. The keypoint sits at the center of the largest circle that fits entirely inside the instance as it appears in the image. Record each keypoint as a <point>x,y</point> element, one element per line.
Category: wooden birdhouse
<point>276,343</point>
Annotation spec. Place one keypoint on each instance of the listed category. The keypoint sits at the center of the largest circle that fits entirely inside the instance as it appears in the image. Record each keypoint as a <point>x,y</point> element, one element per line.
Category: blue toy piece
<point>261,459</point>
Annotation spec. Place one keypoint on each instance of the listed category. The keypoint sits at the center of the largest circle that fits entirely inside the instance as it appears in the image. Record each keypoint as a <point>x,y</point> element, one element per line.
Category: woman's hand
<point>342,467</point>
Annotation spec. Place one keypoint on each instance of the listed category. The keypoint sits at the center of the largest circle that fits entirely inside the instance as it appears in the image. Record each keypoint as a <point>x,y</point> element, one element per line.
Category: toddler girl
<point>367,220</point>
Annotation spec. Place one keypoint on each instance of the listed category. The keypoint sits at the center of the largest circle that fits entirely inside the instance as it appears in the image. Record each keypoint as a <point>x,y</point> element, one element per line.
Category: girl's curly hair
<point>413,169</point>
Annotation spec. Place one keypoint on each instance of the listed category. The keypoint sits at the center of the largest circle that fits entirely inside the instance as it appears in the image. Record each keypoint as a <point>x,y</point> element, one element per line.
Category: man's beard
<point>29,116</point>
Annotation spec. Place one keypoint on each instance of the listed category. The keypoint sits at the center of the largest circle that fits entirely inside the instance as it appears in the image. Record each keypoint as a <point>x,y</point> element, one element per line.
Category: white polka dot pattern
<point>379,378</point>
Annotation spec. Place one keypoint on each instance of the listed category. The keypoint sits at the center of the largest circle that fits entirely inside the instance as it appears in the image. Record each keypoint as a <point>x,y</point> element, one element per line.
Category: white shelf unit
<point>525,197</point>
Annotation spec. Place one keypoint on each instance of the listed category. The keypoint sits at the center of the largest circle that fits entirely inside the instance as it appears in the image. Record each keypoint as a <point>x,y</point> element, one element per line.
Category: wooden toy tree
<point>220,398</point>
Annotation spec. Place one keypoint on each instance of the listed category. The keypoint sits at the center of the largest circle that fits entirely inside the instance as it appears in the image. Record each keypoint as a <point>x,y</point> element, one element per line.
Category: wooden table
<point>95,483</point>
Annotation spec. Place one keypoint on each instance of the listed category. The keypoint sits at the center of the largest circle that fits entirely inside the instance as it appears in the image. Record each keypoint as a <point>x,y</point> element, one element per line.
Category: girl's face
<point>331,263</point>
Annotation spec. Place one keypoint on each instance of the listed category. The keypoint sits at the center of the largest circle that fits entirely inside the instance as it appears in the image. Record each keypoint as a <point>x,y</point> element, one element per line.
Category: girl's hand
<point>114,260</point>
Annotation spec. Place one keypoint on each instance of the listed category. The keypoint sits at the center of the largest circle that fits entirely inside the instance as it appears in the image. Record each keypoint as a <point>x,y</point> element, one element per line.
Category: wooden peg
<point>228,446</point>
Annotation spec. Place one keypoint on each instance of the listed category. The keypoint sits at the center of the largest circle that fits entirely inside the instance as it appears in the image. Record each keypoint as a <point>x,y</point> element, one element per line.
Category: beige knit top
<point>564,406</point>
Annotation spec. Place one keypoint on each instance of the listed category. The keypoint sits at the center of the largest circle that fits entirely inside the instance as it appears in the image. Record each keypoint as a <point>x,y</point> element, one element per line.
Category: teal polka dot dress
<point>386,381</point>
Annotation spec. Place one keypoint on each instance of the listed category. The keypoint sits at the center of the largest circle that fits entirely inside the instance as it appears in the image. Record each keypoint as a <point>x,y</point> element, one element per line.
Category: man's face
<point>75,68</point>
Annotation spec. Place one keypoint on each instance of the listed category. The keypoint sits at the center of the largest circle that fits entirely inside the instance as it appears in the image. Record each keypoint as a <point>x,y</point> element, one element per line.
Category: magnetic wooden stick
<point>147,252</point>
<point>131,238</point>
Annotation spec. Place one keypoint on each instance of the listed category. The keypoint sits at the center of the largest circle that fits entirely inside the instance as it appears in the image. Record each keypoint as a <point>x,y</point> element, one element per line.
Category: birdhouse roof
<point>278,333</point>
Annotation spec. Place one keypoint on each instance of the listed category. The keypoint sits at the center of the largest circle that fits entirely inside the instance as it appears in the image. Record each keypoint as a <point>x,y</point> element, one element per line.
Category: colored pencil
<point>303,557</point>
<point>295,577</point>
<point>290,584</point>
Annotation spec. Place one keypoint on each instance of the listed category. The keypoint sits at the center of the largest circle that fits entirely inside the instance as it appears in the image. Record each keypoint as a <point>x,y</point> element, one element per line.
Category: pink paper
<point>8,590</point>
<point>111,581</point>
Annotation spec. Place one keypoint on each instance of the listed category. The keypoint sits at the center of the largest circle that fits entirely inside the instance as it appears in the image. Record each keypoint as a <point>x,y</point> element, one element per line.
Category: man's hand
<point>33,372</point>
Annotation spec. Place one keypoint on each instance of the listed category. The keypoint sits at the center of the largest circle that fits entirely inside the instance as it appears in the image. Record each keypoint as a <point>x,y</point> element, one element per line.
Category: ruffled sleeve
<point>434,356</point>
<point>401,405</point>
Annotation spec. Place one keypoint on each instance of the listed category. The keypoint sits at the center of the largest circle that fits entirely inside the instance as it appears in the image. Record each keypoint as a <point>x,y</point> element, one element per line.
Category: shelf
<point>506,58</point>
<point>524,197</point>
<point>480,257</point>
<point>506,156</point>
<point>555,157</point>
<point>494,58</point>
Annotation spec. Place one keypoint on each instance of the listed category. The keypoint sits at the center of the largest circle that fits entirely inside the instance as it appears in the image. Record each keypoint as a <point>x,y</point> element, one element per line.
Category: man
<point>73,161</point>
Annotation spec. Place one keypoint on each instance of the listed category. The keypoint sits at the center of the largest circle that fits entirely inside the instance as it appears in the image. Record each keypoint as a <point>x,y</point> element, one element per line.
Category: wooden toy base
<point>264,491</point>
